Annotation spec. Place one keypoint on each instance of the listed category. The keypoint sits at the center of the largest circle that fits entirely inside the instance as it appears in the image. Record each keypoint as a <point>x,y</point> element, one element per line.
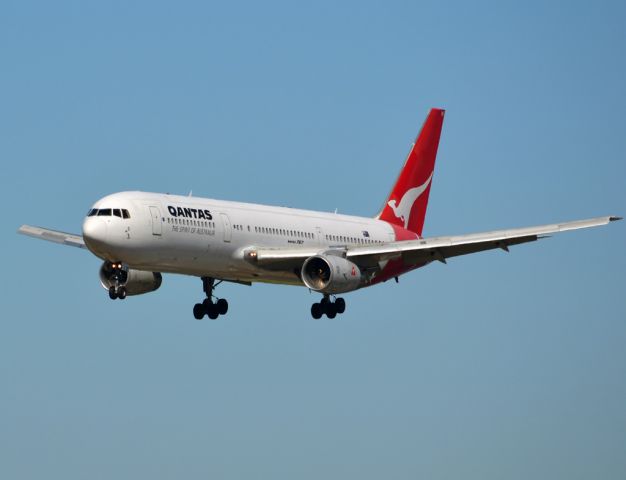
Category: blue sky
<point>493,366</point>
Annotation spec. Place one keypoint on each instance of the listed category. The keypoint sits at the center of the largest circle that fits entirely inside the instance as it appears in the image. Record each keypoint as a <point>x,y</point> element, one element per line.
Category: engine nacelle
<point>136,282</point>
<point>331,274</point>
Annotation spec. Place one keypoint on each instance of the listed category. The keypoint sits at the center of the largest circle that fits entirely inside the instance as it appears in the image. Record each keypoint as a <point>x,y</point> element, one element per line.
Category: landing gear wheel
<point>340,305</point>
<point>316,311</point>
<point>121,293</point>
<point>112,293</point>
<point>222,306</point>
<point>198,311</point>
<point>212,311</point>
<point>328,307</point>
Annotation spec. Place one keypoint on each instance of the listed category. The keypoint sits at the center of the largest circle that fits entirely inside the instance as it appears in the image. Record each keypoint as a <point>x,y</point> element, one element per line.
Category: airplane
<point>141,235</point>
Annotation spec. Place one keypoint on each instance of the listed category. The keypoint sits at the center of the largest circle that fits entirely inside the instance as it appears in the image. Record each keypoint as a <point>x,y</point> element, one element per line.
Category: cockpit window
<point>107,212</point>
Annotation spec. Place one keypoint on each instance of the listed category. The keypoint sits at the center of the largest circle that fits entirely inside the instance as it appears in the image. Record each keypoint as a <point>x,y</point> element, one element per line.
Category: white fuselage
<point>204,237</point>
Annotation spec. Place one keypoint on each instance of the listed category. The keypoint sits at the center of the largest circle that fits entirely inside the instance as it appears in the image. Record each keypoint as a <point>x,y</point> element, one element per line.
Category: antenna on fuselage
<point>190,193</point>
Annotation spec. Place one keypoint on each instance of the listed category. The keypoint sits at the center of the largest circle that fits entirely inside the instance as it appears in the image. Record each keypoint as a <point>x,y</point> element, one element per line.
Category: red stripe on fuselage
<point>401,234</point>
<point>397,267</point>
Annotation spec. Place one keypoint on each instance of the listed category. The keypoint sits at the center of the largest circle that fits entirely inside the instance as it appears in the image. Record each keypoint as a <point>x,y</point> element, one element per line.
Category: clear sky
<point>493,366</point>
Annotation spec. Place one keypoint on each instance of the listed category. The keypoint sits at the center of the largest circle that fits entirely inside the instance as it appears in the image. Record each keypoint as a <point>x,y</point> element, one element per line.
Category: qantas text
<point>190,213</point>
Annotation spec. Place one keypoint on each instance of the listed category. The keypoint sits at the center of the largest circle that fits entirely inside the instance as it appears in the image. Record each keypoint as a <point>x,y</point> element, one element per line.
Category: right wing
<point>53,236</point>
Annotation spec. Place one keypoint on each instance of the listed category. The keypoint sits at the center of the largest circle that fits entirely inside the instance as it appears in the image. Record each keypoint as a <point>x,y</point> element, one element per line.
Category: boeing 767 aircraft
<point>140,235</point>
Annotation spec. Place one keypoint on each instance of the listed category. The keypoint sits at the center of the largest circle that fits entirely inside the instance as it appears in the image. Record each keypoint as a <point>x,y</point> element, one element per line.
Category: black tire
<point>340,305</point>
<point>212,311</point>
<point>222,306</point>
<point>198,311</point>
<point>121,293</point>
<point>112,293</point>
<point>331,310</point>
<point>324,303</point>
<point>316,311</point>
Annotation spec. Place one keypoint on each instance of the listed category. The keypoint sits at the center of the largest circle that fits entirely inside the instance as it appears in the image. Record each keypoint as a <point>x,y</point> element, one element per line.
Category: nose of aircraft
<point>94,233</point>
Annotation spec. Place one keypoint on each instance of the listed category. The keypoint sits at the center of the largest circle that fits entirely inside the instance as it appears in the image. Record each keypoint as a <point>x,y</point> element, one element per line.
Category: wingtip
<point>615,219</point>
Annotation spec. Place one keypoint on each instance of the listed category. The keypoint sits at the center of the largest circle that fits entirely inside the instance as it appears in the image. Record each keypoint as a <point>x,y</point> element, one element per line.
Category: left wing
<point>53,236</point>
<point>439,248</point>
<point>415,252</point>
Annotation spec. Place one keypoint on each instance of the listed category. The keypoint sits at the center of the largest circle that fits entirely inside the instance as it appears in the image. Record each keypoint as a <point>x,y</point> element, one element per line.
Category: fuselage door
<point>320,236</point>
<point>156,220</point>
<point>228,232</point>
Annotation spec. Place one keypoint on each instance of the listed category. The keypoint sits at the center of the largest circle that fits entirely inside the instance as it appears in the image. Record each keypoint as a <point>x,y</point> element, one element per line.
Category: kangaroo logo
<point>403,211</point>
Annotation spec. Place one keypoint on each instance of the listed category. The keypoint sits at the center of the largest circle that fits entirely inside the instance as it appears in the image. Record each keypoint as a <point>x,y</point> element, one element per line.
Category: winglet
<point>615,219</point>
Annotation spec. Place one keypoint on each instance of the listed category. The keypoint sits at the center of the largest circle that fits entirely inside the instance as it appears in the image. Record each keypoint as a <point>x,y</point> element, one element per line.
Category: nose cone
<point>95,234</point>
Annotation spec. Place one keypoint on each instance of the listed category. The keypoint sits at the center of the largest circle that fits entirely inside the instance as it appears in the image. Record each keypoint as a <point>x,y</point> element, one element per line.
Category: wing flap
<point>55,236</point>
<point>442,253</point>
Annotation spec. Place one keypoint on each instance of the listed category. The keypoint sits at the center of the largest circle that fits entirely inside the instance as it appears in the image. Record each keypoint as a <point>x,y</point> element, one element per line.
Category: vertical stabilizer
<point>406,205</point>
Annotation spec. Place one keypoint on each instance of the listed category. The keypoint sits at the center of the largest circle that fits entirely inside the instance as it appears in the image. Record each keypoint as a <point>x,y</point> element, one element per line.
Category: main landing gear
<point>328,307</point>
<point>117,277</point>
<point>207,307</point>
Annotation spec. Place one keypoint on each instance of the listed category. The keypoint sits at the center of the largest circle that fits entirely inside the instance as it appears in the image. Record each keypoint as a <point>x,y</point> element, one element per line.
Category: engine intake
<point>331,274</point>
<point>136,282</point>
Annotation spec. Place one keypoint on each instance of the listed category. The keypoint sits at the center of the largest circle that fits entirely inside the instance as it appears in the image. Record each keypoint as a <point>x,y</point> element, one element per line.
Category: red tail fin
<point>406,205</point>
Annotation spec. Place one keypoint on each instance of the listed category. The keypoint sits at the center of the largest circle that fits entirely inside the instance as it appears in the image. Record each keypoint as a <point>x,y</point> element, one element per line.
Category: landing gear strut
<point>327,307</point>
<point>207,307</point>
<point>118,277</point>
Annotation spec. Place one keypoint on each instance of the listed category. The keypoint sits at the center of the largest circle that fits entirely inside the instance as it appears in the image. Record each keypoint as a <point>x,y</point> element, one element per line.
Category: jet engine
<point>331,274</point>
<point>135,282</point>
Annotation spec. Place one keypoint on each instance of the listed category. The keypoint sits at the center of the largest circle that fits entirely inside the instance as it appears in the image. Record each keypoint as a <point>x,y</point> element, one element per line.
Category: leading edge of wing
<point>442,247</point>
<point>55,236</point>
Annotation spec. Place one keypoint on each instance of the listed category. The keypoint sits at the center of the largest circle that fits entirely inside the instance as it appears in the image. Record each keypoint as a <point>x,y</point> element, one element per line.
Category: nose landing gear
<point>208,307</point>
<point>327,307</point>
<point>117,292</point>
<point>118,277</point>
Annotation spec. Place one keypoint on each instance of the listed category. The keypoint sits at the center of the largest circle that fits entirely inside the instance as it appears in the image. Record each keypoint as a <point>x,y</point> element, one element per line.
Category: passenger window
<point>104,212</point>
<point>117,213</point>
